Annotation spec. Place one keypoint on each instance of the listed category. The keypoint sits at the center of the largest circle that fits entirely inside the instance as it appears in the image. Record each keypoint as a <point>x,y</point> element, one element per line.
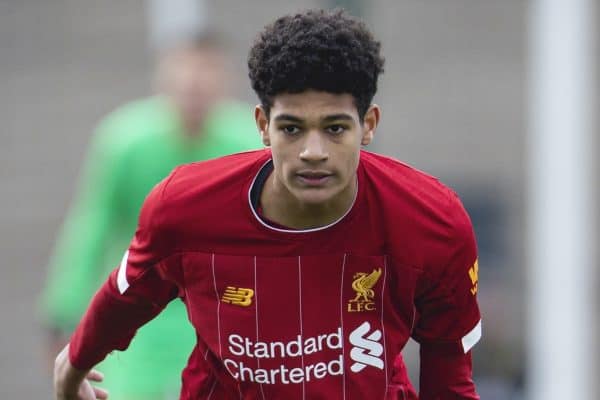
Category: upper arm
<point>449,320</point>
<point>446,301</point>
<point>135,292</point>
<point>150,266</point>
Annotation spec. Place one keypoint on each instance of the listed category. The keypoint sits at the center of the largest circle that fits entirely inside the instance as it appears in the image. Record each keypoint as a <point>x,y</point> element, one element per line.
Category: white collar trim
<point>319,228</point>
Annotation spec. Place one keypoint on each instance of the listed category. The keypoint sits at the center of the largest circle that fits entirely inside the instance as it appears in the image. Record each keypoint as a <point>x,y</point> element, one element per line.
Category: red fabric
<point>95,338</point>
<point>111,321</point>
<point>446,373</point>
<point>301,313</point>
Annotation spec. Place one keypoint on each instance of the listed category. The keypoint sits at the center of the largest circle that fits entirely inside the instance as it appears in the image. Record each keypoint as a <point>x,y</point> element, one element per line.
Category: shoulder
<point>198,188</point>
<point>406,186</point>
<point>195,198</point>
<point>231,125</point>
<point>213,174</point>
<point>418,210</point>
<point>232,108</point>
<point>144,111</point>
<point>131,124</point>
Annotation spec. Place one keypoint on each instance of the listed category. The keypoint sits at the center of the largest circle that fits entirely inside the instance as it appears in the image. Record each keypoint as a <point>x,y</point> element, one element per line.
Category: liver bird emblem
<point>363,284</point>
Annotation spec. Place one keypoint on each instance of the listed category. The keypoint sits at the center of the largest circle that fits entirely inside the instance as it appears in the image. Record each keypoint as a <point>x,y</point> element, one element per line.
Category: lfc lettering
<point>361,306</point>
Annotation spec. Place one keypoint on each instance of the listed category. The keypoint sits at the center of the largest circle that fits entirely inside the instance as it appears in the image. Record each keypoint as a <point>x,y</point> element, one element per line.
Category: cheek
<point>349,165</point>
<point>283,152</point>
<point>281,158</point>
<point>351,157</point>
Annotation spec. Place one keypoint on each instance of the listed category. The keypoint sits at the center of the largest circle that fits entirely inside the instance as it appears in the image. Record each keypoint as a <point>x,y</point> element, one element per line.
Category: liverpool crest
<point>363,286</point>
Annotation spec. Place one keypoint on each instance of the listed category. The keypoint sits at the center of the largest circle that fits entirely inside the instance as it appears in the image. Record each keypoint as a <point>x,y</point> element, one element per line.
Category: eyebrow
<point>336,117</point>
<point>329,118</point>
<point>287,117</point>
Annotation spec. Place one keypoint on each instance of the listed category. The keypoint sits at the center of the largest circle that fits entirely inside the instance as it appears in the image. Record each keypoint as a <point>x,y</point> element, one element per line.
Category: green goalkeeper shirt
<point>133,149</point>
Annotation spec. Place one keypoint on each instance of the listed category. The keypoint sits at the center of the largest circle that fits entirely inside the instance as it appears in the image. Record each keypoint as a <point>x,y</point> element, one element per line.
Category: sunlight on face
<point>315,139</point>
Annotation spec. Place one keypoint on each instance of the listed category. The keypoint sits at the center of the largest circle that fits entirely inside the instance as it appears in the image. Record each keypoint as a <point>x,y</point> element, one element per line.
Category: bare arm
<point>71,383</point>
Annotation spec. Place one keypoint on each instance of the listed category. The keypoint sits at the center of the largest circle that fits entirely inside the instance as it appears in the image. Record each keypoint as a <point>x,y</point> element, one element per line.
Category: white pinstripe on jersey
<point>262,392</point>
<point>385,366</point>
<point>342,326</point>
<point>301,330</point>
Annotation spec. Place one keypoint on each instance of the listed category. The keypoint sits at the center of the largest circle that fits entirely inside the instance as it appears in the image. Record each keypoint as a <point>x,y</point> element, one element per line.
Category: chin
<point>314,197</point>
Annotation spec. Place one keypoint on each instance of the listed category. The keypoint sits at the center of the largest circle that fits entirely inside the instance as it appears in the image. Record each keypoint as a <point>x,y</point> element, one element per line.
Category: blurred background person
<point>133,148</point>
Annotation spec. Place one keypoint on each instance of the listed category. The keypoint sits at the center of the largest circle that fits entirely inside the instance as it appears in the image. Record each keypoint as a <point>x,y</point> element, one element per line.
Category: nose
<point>314,148</point>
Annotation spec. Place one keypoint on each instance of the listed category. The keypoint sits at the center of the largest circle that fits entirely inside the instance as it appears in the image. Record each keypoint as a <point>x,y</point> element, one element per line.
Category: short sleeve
<point>446,301</point>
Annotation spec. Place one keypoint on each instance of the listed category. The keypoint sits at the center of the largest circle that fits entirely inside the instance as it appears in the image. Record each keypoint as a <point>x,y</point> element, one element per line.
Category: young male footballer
<point>304,267</point>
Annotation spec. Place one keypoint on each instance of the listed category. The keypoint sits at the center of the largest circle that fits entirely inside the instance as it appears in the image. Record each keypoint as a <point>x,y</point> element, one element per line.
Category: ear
<point>262,123</point>
<point>370,122</point>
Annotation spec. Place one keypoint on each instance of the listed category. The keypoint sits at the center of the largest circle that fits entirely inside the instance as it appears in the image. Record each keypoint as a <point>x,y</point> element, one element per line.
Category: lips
<point>314,178</point>
<point>313,174</point>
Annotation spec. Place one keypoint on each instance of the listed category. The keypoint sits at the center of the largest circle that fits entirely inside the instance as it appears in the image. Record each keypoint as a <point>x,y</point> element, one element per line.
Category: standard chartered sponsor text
<point>246,347</point>
<point>283,374</point>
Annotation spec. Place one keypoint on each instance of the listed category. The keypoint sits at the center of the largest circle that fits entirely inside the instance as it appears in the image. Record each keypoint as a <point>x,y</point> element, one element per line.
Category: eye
<point>290,129</point>
<point>336,129</point>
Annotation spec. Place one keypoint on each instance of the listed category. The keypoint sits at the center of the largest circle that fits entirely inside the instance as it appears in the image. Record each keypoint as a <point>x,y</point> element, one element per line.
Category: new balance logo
<point>367,350</point>
<point>238,296</point>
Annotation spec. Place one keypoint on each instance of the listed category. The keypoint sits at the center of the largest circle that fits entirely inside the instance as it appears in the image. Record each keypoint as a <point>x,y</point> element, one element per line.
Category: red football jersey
<point>299,314</point>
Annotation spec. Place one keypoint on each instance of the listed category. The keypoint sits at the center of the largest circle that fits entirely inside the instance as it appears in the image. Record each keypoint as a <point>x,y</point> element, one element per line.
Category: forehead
<point>313,104</point>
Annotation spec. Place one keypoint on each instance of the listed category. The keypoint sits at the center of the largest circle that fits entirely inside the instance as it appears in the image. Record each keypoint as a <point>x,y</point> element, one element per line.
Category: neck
<point>191,124</point>
<point>281,207</point>
<point>191,128</point>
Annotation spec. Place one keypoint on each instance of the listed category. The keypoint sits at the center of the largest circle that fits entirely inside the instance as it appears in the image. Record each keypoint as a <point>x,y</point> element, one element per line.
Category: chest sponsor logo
<point>367,349</point>
<point>363,284</point>
<point>238,296</point>
<point>247,349</point>
<point>474,276</point>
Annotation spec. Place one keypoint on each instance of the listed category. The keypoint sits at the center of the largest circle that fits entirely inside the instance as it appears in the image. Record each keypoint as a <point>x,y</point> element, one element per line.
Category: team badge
<point>363,286</point>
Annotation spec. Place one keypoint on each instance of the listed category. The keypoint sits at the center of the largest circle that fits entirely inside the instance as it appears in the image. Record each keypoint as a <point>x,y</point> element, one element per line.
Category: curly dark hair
<point>322,50</point>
